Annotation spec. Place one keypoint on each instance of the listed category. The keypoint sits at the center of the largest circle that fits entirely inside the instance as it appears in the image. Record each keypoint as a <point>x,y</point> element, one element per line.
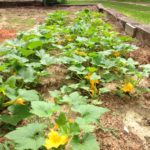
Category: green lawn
<point>139,13</point>
<point>138,1</point>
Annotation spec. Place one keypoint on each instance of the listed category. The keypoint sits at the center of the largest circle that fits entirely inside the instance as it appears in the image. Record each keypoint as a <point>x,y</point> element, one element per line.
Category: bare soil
<point>127,125</point>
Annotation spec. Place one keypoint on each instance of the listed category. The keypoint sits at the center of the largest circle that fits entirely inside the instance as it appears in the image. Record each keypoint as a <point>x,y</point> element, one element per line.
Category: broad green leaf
<point>43,109</point>
<point>94,76</point>
<point>11,81</point>
<point>84,125</point>
<point>28,74</point>
<point>28,95</point>
<point>74,99</point>
<point>35,43</point>
<point>18,113</point>
<point>28,137</point>
<point>89,112</point>
<point>87,143</point>
<point>46,59</point>
<point>104,90</point>
<point>26,52</point>
<point>79,69</point>
<point>146,70</point>
<point>66,127</point>
<point>61,119</point>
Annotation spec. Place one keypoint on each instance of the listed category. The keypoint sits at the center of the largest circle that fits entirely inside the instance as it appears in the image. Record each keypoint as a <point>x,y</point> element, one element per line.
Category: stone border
<point>134,29</point>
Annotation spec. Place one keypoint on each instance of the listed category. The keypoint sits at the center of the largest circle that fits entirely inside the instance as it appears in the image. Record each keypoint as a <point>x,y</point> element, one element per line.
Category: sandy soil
<point>127,125</point>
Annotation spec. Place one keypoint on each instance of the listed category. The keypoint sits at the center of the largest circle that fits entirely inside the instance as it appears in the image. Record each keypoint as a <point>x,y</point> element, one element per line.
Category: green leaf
<point>87,143</point>
<point>90,112</point>
<point>61,119</point>
<point>146,70</point>
<point>104,90</point>
<point>95,76</point>
<point>18,113</point>
<point>84,125</point>
<point>46,59</point>
<point>74,99</point>
<point>11,81</point>
<point>1,79</point>
<point>79,69</point>
<point>78,59</point>
<point>26,52</point>
<point>27,137</point>
<point>55,94</point>
<point>43,109</point>
<point>92,69</point>
<point>28,95</point>
<point>35,43</point>
<point>74,129</point>
<point>28,74</point>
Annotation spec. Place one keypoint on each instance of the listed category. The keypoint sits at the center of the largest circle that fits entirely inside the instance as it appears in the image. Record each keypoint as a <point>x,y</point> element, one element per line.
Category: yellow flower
<point>80,53</point>
<point>54,140</point>
<point>20,101</point>
<point>116,54</point>
<point>93,88</point>
<point>128,87</point>
<point>88,76</point>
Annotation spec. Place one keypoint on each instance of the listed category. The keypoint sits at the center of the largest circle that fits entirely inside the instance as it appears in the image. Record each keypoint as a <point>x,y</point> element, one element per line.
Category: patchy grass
<point>82,1</point>
<point>26,23</point>
<point>137,1</point>
<point>138,12</point>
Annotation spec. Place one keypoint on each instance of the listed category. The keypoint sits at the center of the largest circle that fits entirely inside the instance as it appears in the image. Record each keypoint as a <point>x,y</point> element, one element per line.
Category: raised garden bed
<point>86,56</point>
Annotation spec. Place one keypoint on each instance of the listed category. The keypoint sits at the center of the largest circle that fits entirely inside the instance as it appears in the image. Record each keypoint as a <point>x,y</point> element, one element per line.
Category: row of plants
<point>95,58</point>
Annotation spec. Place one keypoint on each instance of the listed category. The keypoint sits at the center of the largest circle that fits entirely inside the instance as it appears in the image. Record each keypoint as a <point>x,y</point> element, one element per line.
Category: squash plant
<point>94,57</point>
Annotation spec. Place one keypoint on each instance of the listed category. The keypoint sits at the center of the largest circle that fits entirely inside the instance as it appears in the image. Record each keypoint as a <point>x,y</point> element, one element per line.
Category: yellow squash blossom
<point>80,53</point>
<point>20,101</point>
<point>54,140</point>
<point>93,88</point>
<point>88,76</point>
<point>116,54</point>
<point>128,87</point>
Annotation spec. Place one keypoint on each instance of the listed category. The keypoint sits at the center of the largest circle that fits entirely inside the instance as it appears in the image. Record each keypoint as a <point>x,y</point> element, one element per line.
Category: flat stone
<point>143,34</point>
<point>122,21</point>
<point>130,29</point>
<point>100,7</point>
<point>110,15</point>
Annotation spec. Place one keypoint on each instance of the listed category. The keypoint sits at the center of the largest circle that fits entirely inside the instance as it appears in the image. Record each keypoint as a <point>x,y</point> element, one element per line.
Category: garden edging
<point>132,28</point>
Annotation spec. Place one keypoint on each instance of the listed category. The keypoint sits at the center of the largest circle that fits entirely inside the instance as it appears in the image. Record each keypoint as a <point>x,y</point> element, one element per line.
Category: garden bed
<point>116,131</point>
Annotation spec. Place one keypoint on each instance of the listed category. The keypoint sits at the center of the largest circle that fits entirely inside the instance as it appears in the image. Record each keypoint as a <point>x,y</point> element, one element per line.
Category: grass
<point>24,22</point>
<point>83,1</point>
<point>139,13</point>
<point>138,1</point>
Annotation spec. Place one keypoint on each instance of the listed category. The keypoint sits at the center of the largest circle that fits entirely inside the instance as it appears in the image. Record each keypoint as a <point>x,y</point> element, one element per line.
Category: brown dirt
<point>115,134</point>
<point>142,55</point>
<point>7,34</point>
<point>55,79</point>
